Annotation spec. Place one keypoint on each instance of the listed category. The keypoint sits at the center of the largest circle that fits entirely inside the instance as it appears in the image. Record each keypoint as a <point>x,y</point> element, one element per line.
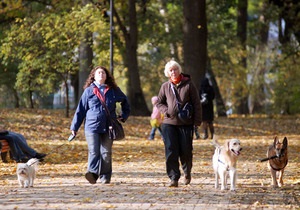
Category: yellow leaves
<point>108,206</point>
<point>87,200</point>
<point>170,193</point>
<point>257,203</point>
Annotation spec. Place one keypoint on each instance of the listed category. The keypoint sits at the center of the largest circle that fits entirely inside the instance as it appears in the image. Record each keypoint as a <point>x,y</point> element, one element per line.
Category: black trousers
<point>178,141</point>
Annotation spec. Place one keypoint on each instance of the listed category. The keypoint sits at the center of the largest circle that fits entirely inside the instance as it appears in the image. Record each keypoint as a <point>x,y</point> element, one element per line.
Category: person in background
<point>96,125</point>
<point>197,135</point>
<point>207,96</point>
<point>21,152</point>
<point>178,135</point>
<point>156,118</point>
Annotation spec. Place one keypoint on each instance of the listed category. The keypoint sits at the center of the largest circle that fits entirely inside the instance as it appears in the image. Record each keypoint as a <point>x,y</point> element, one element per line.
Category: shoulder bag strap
<point>98,94</point>
<point>176,96</point>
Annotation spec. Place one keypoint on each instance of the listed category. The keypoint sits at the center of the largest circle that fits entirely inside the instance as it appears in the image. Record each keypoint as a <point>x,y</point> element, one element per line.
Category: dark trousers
<point>178,142</point>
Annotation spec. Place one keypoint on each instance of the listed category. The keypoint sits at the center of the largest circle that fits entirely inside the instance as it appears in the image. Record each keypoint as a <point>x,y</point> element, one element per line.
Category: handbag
<point>115,131</point>
<point>115,128</point>
<point>185,113</point>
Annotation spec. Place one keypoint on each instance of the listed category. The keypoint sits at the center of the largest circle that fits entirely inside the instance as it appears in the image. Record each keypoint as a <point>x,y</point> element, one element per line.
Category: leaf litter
<point>47,131</point>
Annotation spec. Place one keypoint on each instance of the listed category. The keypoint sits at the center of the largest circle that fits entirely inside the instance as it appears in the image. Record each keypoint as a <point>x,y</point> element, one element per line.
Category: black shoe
<point>91,177</point>
<point>40,155</point>
<point>173,183</point>
<point>187,179</point>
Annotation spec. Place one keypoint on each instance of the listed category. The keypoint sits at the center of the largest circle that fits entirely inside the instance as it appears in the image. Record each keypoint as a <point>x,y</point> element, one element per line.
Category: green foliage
<point>47,47</point>
<point>287,86</point>
<point>39,49</point>
<point>160,27</point>
<point>225,51</point>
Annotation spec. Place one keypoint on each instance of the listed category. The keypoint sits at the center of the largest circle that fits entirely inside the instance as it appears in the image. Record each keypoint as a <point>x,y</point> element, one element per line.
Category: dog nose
<point>241,149</point>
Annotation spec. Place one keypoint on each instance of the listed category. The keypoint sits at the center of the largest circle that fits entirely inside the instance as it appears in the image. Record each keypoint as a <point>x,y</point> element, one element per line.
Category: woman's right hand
<point>74,133</point>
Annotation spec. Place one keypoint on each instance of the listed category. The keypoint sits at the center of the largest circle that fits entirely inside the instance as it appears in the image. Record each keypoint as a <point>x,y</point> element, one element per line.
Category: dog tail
<point>33,162</point>
<point>215,142</point>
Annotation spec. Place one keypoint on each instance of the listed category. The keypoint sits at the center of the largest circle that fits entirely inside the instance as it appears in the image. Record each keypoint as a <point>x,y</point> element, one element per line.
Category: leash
<point>71,138</point>
<point>270,158</point>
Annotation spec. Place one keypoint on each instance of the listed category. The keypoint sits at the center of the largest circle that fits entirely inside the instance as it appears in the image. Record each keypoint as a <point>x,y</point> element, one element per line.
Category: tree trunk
<point>135,93</point>
<point>85,59</point>
<point>67,102</point>
<point>31,103</point>
<point>195,39</point>
<point>242,36</point>
<point>258,96</point>
<point>16,96</point>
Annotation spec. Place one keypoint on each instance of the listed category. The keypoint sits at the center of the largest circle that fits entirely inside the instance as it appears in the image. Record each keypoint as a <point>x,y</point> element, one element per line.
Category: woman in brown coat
<point>178,134</point>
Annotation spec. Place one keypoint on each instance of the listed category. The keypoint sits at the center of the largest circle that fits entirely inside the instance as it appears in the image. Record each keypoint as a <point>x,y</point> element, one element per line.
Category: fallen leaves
<point>136,157</point>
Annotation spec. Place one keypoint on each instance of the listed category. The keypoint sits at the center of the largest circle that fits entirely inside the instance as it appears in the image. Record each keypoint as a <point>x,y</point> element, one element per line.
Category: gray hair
<point>170,65</point>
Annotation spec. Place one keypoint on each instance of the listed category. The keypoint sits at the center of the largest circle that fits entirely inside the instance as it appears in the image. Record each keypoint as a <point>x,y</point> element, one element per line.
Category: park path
<point>143,185</point>
<point>138,190</point>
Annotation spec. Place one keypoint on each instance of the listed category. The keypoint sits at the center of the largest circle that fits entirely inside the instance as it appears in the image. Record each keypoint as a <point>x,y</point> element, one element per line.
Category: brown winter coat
<point>167,101</point>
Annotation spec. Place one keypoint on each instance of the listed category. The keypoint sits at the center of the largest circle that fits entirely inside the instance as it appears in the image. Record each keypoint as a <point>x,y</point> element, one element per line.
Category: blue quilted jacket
<point>91,110</point>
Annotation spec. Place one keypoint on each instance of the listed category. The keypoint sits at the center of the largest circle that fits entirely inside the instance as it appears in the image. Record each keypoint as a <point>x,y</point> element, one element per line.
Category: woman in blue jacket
<point>92,111</point>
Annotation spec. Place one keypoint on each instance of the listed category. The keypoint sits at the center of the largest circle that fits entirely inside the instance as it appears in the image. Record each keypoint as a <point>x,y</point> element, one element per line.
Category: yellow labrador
<point>224,162</point>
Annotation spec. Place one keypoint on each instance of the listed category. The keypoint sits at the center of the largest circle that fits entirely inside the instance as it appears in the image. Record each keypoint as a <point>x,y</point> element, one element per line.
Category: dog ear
<point>285,143</point>
<point>276,141</point>
<point>227,145</point>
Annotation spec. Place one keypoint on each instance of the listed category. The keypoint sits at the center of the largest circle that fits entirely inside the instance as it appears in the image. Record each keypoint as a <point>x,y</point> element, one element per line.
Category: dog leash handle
<point>71,137</point>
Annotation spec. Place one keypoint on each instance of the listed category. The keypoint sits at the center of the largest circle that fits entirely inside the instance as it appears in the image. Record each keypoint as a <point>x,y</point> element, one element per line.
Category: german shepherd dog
<point>278,159</point>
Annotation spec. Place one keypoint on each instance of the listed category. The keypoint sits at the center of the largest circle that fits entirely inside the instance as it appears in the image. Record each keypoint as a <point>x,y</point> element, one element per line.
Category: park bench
<point>4,150</point>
